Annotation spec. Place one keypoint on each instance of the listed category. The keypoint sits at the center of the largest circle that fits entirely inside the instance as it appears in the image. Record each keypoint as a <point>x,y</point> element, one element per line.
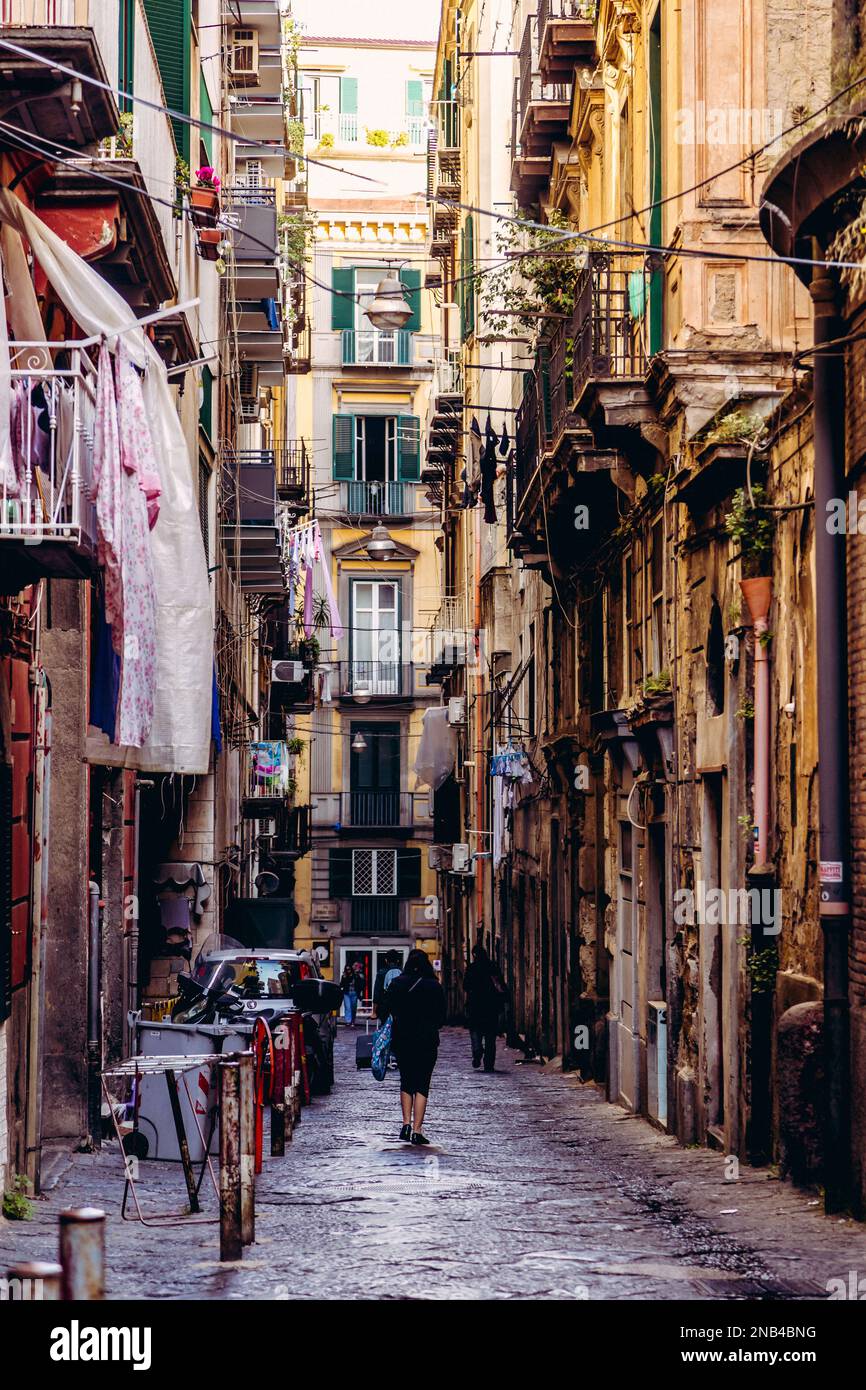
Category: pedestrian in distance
<point>486,999</point>
<point>349,986</point>
<point>385,976</point>
<point>416,1002</point>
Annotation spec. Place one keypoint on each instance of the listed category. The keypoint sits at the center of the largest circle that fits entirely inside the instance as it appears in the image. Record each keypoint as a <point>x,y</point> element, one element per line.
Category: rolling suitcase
<point>364,1050</point>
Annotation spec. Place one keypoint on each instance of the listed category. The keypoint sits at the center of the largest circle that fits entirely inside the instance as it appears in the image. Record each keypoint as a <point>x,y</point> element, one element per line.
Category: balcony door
<point>372,345</point>
<point>374,773</point>
<point>375,638</point>
<point>375,490</point>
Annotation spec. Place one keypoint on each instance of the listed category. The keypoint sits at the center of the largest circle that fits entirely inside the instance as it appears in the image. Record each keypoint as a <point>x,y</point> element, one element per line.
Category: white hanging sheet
<point>179,739</point>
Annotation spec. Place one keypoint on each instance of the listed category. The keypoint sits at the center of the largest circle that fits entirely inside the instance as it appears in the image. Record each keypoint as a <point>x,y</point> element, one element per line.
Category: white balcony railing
<point>447,376</point>
<point>450,638</point>
<point>348,128</point>
<point>44,491</point>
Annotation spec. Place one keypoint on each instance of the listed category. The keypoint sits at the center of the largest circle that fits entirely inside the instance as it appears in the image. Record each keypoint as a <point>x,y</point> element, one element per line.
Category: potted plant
<point>751,524</point>
<point>204,198</point>
<point>209,239</point>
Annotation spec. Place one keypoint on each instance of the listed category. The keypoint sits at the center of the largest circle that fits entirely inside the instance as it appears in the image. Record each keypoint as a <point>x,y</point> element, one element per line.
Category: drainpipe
<point>832,715</point>
<point>758,594</point>
<point>94,1032</point>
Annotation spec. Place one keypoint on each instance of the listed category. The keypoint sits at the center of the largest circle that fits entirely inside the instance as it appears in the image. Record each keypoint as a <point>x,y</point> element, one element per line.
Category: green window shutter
<point>170,24</point>
<point>344,447</point>
<point>414,98</point>
<point>408,448</point>
<point>205,111</point>
<point>468,286</point>
<point>461,285</point>
<point>343,298</point>
<point>408,873</point>
<point>340,873</point>
<point>126,50</point>
<point>411,280</point>
<point>205,410</point>
<point>349,96</point>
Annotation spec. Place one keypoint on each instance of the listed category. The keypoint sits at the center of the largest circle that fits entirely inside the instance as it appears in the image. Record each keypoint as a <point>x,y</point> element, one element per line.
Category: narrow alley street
<point>534,1188</point>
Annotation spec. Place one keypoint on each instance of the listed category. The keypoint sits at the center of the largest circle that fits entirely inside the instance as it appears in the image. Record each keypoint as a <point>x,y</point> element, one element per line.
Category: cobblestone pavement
<point>534,1187</point>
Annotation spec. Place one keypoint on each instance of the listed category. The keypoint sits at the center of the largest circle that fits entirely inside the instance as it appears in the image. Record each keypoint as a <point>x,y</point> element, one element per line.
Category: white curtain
<point>180,736</point>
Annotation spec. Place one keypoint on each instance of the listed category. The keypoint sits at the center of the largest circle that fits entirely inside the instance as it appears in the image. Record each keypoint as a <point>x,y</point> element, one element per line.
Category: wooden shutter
<point>349,96</point>
<point>408,447</point>
<point>467,269</point>
<point>410,279</point>
<point>170,24</point>
<point>343,298</point>
<point>340,873</point>
<point>344,447</point>
<point>205,112</point>
<point>409,873</point>
<point>414,98</point>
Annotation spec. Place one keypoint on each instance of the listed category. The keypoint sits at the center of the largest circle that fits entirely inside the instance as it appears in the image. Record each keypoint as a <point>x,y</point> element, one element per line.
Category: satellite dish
<point>267,883</point>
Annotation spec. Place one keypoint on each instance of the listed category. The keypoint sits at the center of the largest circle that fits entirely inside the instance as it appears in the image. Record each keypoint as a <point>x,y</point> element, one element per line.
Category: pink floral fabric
<point>106,494</point>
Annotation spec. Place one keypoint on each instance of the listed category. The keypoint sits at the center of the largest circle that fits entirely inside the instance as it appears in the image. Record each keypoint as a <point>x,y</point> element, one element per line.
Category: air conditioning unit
<point>437,856</point>
<point>457,709</point>
<point>461,859</point>
<point>451,322</point>
<point>244,54</point>
<point>291,672</point>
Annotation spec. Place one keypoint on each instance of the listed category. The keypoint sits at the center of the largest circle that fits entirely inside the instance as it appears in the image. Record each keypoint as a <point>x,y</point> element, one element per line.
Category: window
<point>375,637</point>
<point>467,282</point>
<point>715,662</point>
<point>126,52</point>
<point>655,597</point>
<point>244,53</point>
<point>374,873</point>
<point>374,772</point>
<point>171,32</point>
<point>415,103</point>
<point>376,449</point>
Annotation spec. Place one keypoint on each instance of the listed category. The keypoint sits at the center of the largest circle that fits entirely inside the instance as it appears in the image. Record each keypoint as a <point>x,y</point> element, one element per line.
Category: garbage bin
<point>155,1120</point>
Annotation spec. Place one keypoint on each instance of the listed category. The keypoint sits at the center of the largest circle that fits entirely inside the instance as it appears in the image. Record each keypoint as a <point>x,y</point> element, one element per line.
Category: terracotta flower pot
<point>209,239</point>
<point>758,593</point>
<point>204,206</point>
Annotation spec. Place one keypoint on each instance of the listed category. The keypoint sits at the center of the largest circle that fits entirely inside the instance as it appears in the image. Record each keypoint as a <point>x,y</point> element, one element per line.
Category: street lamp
<point>359,743</point>
<point>389,308</point>
<point>381,545</point>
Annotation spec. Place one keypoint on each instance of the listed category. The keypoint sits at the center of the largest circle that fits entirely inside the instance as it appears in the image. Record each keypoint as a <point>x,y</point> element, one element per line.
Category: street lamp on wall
<point>381,545</point>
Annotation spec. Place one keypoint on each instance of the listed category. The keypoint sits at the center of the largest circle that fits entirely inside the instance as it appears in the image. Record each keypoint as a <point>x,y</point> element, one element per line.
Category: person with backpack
<point>416,1002</point>
<point>385,976</point>
<point>485,1002</point>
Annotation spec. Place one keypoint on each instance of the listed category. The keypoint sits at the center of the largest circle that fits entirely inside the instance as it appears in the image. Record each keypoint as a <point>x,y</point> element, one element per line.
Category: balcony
<point>443,175</point>
<point>445,419</point>
<point>365,812</point>
<point>610,360</point>
<point>292,468</point>
<point>376,499</point>
<point>258,115</point>
<point>37,95</point>
<point>250,534</point>
<point>252,214</point>
<point>270,779</point>
<point>261,15</point>
<point>382,681</point>
<point>452,641</point>
<point>543,105</point>
<point>373,347</point>
<point>47,522</point>
<point>566,37</point>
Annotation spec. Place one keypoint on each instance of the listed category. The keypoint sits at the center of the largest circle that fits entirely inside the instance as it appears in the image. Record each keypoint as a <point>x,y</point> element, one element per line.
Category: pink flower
<point>206,176</point>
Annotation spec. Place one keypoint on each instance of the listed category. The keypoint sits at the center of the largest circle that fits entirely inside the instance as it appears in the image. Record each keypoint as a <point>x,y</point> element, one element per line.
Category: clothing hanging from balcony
<point>437,748</point>
<point>179,738</point>
<point>305,549</point>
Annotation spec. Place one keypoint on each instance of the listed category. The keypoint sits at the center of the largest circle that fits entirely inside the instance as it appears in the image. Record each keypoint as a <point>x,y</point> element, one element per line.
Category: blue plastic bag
<point>381,1050</point>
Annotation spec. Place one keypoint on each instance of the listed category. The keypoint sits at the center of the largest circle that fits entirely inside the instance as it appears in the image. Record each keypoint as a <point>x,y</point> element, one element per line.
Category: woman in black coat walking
<point>417,1004</point>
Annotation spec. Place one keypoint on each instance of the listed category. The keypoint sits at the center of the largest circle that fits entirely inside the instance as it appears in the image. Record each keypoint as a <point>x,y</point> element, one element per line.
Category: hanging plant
<point>751,525</point>
<point>761,966</point>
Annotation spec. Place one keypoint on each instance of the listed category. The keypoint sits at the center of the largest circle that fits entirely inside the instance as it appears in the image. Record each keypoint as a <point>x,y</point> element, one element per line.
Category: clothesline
<point>68,345</point>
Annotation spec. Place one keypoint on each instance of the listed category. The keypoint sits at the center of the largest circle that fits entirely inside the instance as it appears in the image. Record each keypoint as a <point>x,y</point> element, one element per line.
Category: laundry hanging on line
<point>305,549</point>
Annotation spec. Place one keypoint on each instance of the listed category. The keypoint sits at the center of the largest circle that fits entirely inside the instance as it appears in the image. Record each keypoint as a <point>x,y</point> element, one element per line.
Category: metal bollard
<point>82,1255</point>
<point>231,1243</point>
<point>34,1281</point>
<point>248,1147</point>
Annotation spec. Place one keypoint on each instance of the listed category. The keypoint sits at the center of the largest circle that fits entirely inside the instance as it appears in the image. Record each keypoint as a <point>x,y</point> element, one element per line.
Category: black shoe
<point>476,1063</point>
<point>418,1138</point>
<point>406,1134</point>
<point>489,1068</point>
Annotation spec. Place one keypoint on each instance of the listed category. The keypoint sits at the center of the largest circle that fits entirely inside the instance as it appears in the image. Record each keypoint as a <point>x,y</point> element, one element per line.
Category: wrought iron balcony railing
<point>371,810</point>
<point>375,499</point>
<point>533,91</point>
<point>451,640</point>
<point>47,521</point>
<point>369,680</point>
<point>608,334</point>
<point>270,779</point>
<point>373,347</point>
<point>375,916</point>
